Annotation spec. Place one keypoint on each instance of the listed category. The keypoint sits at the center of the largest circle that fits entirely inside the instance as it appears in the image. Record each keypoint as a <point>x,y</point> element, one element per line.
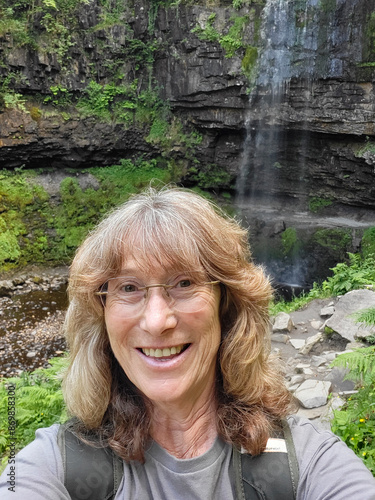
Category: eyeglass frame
<point>146,287</point>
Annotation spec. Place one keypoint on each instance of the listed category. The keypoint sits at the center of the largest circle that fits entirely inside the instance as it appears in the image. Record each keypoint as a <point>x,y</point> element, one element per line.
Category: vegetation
<point>34,228</point>
<point>231,41</point>
<point>290,242</point>
<point>39,403</point>
<point>368,242</point>
<point>56,19</point>
<point>316,204</point>
<point>335,239</point>
<point>368,147</point>
<point>359,272</point>
<point>210,176</point>
<point>355,422</point>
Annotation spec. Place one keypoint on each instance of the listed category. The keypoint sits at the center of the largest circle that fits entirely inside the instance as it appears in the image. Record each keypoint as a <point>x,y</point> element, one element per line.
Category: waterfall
<point>289,42</point>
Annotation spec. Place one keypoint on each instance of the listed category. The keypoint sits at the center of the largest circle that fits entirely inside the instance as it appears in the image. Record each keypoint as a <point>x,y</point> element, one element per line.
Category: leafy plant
<point>316,204</point>
<point>39,403</point>
<point>231,41</point>
<point>210,176</point>
<point>366,316</point>
<point>61,96</point>
<point>357,273</point>
<point>368,242</point>
<point>355,422</point>
<point>346,277</point>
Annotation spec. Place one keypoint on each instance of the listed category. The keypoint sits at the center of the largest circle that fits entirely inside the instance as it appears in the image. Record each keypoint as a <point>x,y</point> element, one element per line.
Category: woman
<point>168,333</point>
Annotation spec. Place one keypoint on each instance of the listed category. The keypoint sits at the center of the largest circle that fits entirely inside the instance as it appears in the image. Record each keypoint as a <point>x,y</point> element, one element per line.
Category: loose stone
<point>313,393</point>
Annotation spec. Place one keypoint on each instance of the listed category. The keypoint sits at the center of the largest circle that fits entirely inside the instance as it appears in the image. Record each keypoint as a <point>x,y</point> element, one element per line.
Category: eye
<point>128,288</point>
<point>185,283</point>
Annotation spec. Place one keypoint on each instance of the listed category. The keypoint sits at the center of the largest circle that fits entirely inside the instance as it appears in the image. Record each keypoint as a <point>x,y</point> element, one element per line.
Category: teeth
<point>162,353</point>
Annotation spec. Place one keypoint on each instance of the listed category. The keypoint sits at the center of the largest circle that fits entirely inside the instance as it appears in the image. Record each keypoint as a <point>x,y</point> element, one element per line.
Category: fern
<point>359,363</point>
<point>39,403</point>
<point>366,316</point>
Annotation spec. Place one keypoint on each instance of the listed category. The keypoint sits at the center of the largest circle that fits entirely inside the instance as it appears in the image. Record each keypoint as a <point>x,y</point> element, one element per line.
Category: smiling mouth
<point>166,352</point>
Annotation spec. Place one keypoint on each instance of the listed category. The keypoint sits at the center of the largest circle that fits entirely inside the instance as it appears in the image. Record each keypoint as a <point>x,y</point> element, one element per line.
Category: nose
<point>157,316</point>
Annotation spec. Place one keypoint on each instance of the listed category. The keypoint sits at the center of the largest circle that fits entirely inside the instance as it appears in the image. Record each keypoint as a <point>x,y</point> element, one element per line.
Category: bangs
<point>154,239</point>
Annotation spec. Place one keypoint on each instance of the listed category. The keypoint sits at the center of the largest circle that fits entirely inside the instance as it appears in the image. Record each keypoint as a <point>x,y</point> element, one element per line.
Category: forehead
<point>149,268</point>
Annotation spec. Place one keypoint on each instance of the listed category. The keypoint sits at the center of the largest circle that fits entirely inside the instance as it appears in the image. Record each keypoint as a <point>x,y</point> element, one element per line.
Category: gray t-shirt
<point>329,470</point>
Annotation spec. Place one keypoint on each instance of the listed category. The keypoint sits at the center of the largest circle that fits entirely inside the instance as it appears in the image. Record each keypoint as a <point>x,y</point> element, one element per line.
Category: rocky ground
<point>32,312</point>
<point>31,315</point>
<point>301,341</point>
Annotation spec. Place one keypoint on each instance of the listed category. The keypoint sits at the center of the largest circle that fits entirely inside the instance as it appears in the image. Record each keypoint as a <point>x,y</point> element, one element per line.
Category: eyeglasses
<point>127,296</point>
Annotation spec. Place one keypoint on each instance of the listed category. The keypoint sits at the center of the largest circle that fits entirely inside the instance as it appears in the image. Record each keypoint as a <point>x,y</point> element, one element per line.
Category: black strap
<point>268,476</point>
<point>90,473</point>
<point>96,473</point>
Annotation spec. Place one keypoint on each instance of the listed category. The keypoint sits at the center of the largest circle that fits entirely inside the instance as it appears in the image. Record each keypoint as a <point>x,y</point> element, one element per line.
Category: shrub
<point>356,274</point>
<point>38,403</point>
<point>355,422</point>
<point>368,242</point>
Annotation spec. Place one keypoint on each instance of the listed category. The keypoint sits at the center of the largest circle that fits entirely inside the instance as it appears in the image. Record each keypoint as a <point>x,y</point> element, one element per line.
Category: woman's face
<point>148,344</point>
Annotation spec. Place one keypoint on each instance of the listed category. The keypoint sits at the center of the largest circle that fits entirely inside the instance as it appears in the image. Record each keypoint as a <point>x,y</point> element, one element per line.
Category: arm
<point>37,473</point>
<point>329,470</point>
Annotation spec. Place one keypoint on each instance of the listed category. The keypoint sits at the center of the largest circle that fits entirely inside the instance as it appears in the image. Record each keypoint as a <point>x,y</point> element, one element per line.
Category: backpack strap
<point>95,473</point>
<point>89,472</point>
<point>272,475</point>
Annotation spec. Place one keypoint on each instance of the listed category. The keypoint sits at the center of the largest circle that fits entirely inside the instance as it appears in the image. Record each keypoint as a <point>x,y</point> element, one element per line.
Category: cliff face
<point>148,44</point>
<point>321,55</point>
<point>304,133</point>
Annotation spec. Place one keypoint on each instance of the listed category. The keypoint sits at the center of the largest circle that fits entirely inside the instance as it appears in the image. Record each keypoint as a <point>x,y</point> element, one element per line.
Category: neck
<point>185,431</point>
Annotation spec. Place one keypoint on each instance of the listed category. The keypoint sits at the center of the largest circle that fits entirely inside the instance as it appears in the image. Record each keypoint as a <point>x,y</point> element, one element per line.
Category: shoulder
<point>40,459</point>
<point>328,468</point>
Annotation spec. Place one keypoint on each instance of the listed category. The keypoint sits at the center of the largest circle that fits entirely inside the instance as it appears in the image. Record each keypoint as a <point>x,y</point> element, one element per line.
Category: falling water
<point>288,50</point>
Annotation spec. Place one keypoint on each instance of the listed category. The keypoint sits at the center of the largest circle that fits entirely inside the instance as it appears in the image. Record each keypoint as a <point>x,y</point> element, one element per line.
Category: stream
<point>31,316</point>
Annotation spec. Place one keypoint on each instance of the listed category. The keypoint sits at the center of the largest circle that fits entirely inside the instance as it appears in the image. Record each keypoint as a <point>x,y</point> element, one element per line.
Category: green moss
<point>34,228</point>
<point>291,243</point>
<point>337,240</point>
<point>367,147</point>
<point>369,41</point>
<point>57,17</point>
<point>368,242</point>
<point>316,204</point>
<point>328,6</point>
<point>19,197</point>
<point>210,176</point>
<point>249,61</point>
<point>231,41</point>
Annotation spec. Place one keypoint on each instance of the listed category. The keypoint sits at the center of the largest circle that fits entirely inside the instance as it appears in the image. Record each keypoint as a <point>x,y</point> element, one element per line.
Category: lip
<point>165,363</point>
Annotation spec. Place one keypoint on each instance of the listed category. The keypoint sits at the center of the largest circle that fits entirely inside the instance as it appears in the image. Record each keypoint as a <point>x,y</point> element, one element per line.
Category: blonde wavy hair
<point>177,229</point>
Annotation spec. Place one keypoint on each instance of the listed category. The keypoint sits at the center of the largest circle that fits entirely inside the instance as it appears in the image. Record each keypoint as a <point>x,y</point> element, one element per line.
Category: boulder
<point>283,323</point>
<point>297,343</point>
<point>327,311</point>
<point>310,342</point>
<point>313,393</point>
<point>343,320</point>
<point>6,288</point>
